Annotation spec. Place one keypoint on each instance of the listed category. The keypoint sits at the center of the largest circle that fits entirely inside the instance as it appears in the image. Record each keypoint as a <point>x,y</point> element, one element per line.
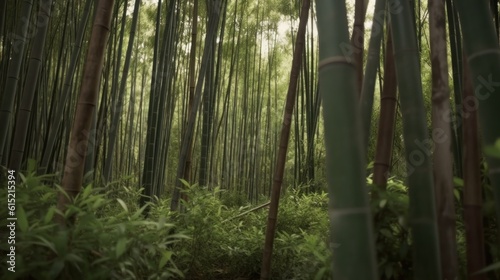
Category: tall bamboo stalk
<point>358,39</point>
<point>372,64</point>
<point>441,135</point>
<point>350,218</point>
<point>57,116</point>
<point>188,135</point>
<point>472,196</point>
<point>19,40</point>
<point>456,64</point>
<point>28,95</point>
<point>117,107</point>
<point>483,54</point>
<point>283,144</point>
<point>89,92</point>
<point>422,212</point>
<point>388,102</point>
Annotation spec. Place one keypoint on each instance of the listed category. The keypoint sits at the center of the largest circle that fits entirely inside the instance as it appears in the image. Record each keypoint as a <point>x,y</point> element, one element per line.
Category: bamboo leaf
<point>31,166</point>
<point>493,151</point>
<point>46,243</point>
<point>56,269</point>
<point>166,256</point>
<point>121,247</point>
<point>49,214</point>
<point>122,203</point>
<point>459,182</point>
<point>492,267</point>
<point>22,219</point>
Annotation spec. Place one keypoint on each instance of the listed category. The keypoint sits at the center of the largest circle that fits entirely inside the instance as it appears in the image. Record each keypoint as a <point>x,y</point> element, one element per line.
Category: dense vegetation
<point>111,239</point>
<point>219,236</point>
<point>175,139</point>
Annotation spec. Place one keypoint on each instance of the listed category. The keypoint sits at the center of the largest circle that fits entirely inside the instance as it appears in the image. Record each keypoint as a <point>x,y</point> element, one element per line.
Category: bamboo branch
<point>249,211</point>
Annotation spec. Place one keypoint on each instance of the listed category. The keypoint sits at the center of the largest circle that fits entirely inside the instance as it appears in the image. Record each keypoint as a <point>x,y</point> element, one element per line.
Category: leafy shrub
<point>123,245</point>
<point>225,248</point>
<point>111,240</point>
<point>390,208</point>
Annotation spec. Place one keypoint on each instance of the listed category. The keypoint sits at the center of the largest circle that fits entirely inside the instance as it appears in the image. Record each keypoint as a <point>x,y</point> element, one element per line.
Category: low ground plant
<point>107,240</point>
<point>207,239</point>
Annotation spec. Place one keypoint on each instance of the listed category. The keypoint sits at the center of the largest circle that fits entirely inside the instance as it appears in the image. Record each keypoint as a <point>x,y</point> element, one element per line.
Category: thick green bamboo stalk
<point>422,214</point>
<point>350,218</point>
<point>483,53</point>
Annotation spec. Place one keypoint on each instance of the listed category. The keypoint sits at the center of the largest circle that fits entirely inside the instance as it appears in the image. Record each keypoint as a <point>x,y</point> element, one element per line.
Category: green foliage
<point>390,207</point>
<point>493,150</point>
<point>109,240</point>
<point>225,248</point>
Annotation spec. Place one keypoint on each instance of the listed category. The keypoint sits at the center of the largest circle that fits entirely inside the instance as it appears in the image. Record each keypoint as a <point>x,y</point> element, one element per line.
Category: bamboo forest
<point>250,139</point>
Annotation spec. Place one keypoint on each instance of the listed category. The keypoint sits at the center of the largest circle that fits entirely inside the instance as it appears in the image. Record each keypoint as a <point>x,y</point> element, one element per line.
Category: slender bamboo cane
<point>35,63</point>
<point>67,87</point>
<point>472,196</point>
<point>358,39</point>
<point>192,83</point>
<point>3,43</point>
<point>188,135</point>
<point>148,173</point>
<point>19,41</point>
<point>283,144</point>
<point>372,64</point>
<point>117,108</point>
<point>456,63</point>
<point>388,102</point>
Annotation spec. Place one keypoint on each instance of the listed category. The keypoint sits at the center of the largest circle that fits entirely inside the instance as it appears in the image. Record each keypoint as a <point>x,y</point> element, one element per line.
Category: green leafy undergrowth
<point>390,208</point>
<point>111,239</point>
<point>224,247</point>
<point>107,240</point>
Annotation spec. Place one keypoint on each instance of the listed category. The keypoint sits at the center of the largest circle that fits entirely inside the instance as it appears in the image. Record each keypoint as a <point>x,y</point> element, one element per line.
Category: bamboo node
<point>349,211</point>
<point>333,60</point>
<point>483,52</point>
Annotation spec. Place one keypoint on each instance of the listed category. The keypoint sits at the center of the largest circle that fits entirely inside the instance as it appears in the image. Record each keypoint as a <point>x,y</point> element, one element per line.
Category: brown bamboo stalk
<point>89,92</point>
<point>388,101</point>
<point>283,144</point>
<point>472,198</point>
